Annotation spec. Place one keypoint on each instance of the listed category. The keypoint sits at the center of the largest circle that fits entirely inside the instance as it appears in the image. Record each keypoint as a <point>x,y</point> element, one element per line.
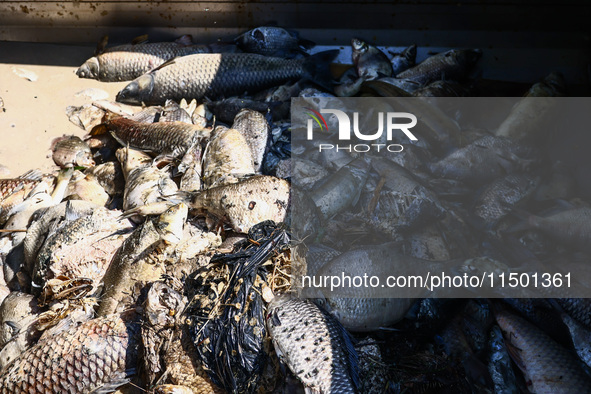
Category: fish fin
<point>306,44</point>
<point>317,68</point>
<point>140,39</point>
<point>410,53</point>
<point>185,40</point>
<point>112,386</point>
<point>102,44</point>
<point>32,175</point>
<point>166,63</point>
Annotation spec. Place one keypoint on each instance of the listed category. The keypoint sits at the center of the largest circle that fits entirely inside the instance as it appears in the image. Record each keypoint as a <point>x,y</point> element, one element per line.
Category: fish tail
<point>317,68</point>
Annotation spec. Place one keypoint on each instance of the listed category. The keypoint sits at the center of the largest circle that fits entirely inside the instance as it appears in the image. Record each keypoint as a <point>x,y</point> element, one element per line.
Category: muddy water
<point>34,112</point>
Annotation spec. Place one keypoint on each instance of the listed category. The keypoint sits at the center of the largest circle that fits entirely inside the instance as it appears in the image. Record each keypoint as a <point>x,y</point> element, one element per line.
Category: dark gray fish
<point>496,199</point>
<point>404,60</point>
<point>227,109</point>
<point>484,160</point>
<point>370,62</point>
<point>126,62</point>
<point>219,75</point>
<point>454,64</point>
<point>315,346</point>
<point>577,308</point>
<point>270,41</point>
<point>499,364</point>
<point>96,356</point>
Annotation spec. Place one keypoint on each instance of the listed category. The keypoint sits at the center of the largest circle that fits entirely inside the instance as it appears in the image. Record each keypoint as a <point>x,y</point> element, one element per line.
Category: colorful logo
<point>315,115</point>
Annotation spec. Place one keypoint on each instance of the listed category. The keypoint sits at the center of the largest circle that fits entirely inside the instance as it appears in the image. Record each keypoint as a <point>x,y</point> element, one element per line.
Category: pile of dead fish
<point>157,258</point>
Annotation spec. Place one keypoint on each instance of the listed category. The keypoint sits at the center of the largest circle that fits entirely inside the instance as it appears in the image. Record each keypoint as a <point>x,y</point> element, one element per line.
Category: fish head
<point>84,159</point>
<point>90,69</point>
<point>137,91</point>
<point>359,45</point>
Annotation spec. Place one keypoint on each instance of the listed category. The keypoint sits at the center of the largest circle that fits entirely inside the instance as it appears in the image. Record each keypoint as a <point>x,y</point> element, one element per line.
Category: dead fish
<point>145,185</point>
<point>451,65</point>
<point>571,226</point>
<point>242,205</point>
<point>192,169</point>
<point>316,348</point>
<point>393,87</point>
<point>370,62</point>
<point>87,188</point>
<point>484,160</point>
<point>442,89</point>
<point>86,116</point>
<point>110,176</point>
<point>99,355</point>
<point>18,332</point>
<point>83,247</point>
<point>168,139</point>
<point>577,308</point>
<point>227,158</point>
<point>254,127</point>
<point>496,199</point>
<point>226,110</point>
<point>170,223</point>
<point>342,189</point>
<point>499,364</point>
<point>126,62</point>
<point>217,75</point>
<point>547,366</point>
<point>271,41</point>
<point>71,151</point>
<point>173,112</point>
<point>580,335</point>
<point>404,60</point>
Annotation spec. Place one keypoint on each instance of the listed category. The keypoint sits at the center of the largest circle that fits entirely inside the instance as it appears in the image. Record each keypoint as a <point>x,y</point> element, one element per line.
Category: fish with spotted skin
<point>315,346</point>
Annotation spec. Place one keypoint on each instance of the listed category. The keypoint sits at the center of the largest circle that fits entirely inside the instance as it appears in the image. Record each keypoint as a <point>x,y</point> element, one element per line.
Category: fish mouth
<point>129,94</point>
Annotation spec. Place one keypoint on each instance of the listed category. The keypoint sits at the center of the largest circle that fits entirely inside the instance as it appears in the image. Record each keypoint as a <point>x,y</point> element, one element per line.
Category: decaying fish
<point>96,355</point>
<point>404,60</point>
<point>371,63</point>
<point>83,247</point>
<point>110,176</point>
<point>547,366</point>
<point>315,346</point>
<point>577,308</point>
<point>18,313</point>
<point>270,41</point>
<point>255,129</point>
<point>529,115</point>
<point>227,158</point>
<point>484,160</point>
<point>191,167</point>
<point>496,199</point>
<point>571,226</point>
<point>454,65</point>
<point>168,139</point>
<point>71,151</point>
<point>126,62</point>
<point>87,188</point>
<point>217,75</point>
<point>13,191</point>
<point>86,116</point>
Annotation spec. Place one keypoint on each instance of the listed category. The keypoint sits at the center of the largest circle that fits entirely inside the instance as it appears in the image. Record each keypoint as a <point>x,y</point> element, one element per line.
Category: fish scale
<point>314,345</point>
<point>97,354</point>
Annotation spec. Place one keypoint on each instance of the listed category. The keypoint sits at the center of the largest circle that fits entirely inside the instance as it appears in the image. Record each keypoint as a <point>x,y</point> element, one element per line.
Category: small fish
<point>98,354</point>
<point>168,139</point>
<point>127,62</point>
<point>370,62</point>
<point>71,151</point>
<point>255,129</point>
<point>217,75</point>
<point>271,41</point>
<point>170,223</point>
<point>227,158</point>
<point>547,366</point>
<point>404,60</point>
<point>452,65</point>
<point>315,347</point>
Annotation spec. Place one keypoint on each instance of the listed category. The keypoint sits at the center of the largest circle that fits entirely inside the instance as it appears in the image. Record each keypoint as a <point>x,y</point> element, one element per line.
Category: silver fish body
<point>314,345</point>
<point>255,129</point>
<point>454,64</point>
<point>268,41</point>
<point>404,60</point>
<point>217,75</point>
<point>371,63</point>
<point>71,151</point>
